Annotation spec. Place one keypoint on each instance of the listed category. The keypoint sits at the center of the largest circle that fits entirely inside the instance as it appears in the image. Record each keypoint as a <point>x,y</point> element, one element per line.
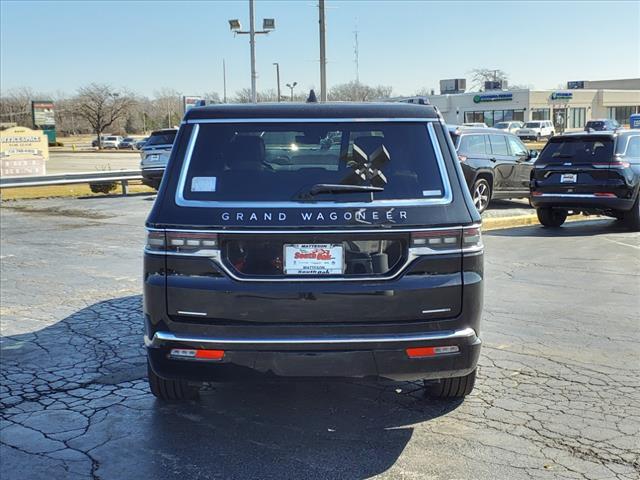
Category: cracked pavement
<point>558,391</point>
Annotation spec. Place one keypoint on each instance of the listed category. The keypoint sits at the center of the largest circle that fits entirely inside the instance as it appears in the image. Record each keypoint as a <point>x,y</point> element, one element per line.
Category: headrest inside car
<point>246,152</point>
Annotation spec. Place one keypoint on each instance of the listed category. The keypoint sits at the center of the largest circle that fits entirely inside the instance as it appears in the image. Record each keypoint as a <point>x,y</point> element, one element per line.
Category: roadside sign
<point>23,152</point>
<point>44,118</point>
<point>189,102</point>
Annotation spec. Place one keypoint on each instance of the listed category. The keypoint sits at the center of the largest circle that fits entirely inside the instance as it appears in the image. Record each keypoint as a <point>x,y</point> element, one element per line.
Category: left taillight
<point>188,243</point>
<point>156,241</point>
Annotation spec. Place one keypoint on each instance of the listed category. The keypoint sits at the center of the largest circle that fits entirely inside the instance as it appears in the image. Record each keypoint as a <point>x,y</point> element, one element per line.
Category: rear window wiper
<point>319,188</point>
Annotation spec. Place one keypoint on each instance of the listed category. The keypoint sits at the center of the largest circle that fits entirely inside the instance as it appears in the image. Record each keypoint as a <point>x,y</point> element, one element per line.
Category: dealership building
<point>569,108</point>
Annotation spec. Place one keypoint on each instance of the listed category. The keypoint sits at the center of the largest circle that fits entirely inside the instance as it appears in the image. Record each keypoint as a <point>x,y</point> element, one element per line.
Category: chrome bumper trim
<point>161,338</point>
<point>568,195</point>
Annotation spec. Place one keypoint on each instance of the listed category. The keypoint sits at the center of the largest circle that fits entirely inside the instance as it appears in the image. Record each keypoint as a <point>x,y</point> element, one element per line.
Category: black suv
<point>330,240</point>
<point>496,164</point>
<point>605,124</point>
<point>590,173</point>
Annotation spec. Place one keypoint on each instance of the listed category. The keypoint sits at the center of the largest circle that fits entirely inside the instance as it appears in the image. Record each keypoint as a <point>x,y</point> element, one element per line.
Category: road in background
<point>558,392</point>
<point>70,162</point>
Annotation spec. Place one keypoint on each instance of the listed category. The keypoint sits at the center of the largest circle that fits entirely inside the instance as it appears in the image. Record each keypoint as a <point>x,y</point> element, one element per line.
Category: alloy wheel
<point>481,196</point>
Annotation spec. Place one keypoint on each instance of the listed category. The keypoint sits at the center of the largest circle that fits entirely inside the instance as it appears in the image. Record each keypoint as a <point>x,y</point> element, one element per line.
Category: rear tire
<point>550,217</point>
<point>632,217</point>
<point>169,390</point>
<point>455,387</point>
<point>481,194</point>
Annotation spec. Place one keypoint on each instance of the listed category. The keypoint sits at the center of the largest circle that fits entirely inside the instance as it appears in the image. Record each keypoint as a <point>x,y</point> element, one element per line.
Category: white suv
<point>111,141</point>
<point>536,130</point>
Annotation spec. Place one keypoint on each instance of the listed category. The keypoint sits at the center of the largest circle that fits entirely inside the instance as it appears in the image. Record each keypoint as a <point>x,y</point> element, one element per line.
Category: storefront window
<point>491,117</point>
<point>622,114</point>
<point>577,117</point>
<point>540,114</point>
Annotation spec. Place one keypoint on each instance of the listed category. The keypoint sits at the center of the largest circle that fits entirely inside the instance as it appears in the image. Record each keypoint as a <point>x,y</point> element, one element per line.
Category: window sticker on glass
<point>203,184</point>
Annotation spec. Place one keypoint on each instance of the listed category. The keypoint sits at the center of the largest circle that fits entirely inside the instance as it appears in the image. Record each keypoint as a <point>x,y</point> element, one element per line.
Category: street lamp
<point>278,77</point>
<point>268,24</point>
<point>292,86</point>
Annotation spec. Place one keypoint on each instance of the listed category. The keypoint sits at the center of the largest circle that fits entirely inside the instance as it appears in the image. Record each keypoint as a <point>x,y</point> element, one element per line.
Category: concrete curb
<point>499,223</point>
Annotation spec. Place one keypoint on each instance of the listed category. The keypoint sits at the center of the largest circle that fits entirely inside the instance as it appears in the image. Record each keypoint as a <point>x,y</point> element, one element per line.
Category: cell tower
<point>356,53</point>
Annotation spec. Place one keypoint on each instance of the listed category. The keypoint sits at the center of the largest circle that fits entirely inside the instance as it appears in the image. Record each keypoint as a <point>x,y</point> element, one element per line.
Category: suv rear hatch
<point>156,151</point>
<point>347,259</point>
<point>581,164</point>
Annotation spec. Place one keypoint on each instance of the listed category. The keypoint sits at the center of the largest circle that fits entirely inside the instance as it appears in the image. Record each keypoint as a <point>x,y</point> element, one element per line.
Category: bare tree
<point>244,96</point>
<point>481,75</point>
<point>102,106</point>
<point>359,92</point>
<point>15,106</point>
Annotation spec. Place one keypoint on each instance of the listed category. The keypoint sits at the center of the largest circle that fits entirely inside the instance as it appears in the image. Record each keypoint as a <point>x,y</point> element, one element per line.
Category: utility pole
<point>224,82</point>
<point>278,78</point>
<point>356,53</point>
<point>323,58</point>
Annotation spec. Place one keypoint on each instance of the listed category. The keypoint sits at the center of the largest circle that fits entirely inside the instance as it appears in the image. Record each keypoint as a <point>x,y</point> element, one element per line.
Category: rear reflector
<point>422,352</point>
<point>197,354</point>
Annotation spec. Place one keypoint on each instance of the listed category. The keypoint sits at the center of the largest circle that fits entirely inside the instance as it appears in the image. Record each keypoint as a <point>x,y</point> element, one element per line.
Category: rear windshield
<point>532,124</point>
<point>578,150</point>
<point>285,161</point>
<point>501,125</point>
<point>164,138</point>
<point>595,124</point>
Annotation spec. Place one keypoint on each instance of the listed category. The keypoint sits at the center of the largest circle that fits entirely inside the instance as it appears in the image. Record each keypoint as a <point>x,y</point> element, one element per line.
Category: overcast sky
<point>55,46</point>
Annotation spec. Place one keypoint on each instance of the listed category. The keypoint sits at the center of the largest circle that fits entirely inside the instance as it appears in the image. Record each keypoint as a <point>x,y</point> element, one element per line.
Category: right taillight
<point>472,238</point>
<point>448,240</point>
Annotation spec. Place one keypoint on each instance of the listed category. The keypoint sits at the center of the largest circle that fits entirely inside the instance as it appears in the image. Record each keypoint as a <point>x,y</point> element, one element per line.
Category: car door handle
<point>493,159</point>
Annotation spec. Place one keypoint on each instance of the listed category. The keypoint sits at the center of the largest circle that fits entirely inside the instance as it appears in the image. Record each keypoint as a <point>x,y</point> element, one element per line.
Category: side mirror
<point>533,154</point>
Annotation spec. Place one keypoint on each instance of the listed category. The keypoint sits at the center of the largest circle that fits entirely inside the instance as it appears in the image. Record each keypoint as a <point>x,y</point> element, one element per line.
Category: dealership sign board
<point>189,102</point>
<point>493,97</point>
<point>44,118</point>
<point>560,96</point>
<point>23,152</point>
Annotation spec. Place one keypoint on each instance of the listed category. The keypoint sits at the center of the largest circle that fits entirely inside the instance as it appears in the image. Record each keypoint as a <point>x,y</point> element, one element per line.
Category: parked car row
<point>120,143</point>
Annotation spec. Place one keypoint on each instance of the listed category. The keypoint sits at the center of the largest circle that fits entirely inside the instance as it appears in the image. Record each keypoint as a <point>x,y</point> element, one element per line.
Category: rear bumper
<point>338,356</point>
<point>580,201</point>
<point>152,176</point>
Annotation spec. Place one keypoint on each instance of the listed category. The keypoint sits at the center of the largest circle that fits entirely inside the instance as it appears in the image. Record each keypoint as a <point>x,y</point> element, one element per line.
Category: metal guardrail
<point>122,176</point>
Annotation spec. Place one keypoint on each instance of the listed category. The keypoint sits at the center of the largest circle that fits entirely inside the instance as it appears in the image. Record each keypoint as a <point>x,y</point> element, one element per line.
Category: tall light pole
<point>278,77</point>
<point>323,58</point>
<point>291,87</point>
<point>224,81</point>
<point>268,24</point>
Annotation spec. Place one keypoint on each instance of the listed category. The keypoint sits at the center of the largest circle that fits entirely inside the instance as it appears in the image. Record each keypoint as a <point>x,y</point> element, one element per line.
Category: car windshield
<point>312,162</point>
<point>532,125</point>
<point>111,139</point>
<point>596,125</point>
<point>163,138</point>
<point>577,150</point>
<point>501,125</point>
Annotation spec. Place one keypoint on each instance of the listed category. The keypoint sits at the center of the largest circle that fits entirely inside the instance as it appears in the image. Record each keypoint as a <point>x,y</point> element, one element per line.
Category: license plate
<point>313,259</point>
<point>569,178</point>
<point>153,157</point>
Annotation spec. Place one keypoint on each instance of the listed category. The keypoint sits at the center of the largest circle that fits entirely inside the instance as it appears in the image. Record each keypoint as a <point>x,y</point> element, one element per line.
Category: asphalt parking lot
<point>558,393</point>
